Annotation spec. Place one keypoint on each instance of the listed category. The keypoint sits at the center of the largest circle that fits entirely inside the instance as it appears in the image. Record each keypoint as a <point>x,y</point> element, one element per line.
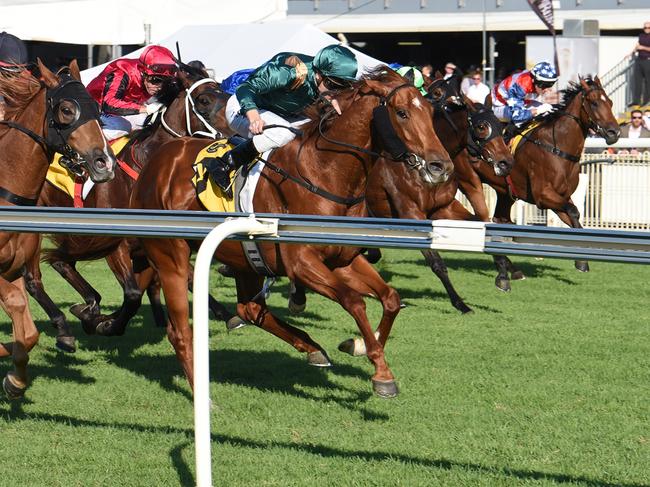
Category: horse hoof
<point>85,311</point>
<point>66,344</point>
<point>107,328</point>
<point>318,359</point>
<point>13,387</point>
<point>502,284</point>
<point>385,389</point>
<point>88,326</point>
<point>517,276</point>
<point>582,265</point>
<point>235,323</point>
<point>463,308</point>
<point>354,347</point>
<point>296,308</point>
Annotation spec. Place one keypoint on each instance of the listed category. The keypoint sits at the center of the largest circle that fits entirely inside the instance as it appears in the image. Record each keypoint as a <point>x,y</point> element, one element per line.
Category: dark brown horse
<point>44,115</point>
<point>547,162</point>
<point>395,192</point>
<point>191,102</point>
<point>334,156</point>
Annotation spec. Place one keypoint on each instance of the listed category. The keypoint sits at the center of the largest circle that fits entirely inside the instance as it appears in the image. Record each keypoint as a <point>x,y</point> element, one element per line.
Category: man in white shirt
<point>477,91</point>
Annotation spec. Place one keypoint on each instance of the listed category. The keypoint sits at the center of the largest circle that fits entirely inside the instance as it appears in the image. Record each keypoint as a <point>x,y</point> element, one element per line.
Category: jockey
<point>276,93</point>
<point>13,56</point>
<point>124,89</point>
<point>517,98</point>
<point>414,76</point>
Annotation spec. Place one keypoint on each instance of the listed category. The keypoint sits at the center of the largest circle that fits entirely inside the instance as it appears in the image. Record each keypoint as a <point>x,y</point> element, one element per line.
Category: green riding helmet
<point>336,62</point>
<point>414,76</point>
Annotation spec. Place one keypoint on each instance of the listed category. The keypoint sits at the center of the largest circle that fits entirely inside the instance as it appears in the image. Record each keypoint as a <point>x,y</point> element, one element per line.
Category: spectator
<point>635,128</point>
<point>126,89</point>
<point>450,70</point>
<point>641,79</point>
<point>477,91</point>
<point>427,70</point>
<point>646,119</point>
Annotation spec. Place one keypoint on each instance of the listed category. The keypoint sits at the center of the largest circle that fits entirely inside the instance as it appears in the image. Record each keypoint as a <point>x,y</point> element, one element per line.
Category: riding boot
<point>220,167</point>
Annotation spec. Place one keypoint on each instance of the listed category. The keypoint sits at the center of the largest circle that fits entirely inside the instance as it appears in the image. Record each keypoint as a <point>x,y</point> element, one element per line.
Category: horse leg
<point>437,265</point>
<point>65,340</point>
<point>362,277</point>
<point>14,300</point>
<point>502,262</point>
<point>309,269</point>
<point>119,261</point>
<point>297,298</point>
<point>153,294</point>
<point>219,311</point>
<point>571,216</point>
<point>90,309</point>
<point>248,287</point>
<point>171,260</point>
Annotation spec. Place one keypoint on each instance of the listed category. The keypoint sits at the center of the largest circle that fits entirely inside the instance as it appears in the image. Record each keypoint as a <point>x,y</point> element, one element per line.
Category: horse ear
<point>488,102</point>
<point>185,79</point>
<point>48,78</point>
<point>597,81</point>
<point>74,70</point>
<point>438,74</point>
<point>377,87</point>
<point>583,83</point>
<point>468,102</point>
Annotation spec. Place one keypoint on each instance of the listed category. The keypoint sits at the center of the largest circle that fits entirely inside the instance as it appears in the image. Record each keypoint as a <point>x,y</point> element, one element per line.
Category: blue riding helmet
<point>544,72</point>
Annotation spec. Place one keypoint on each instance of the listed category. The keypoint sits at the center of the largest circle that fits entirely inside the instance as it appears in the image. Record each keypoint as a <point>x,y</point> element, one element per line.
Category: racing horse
<point>393,192</point>
<point>45,114</point>
<point>190,103</point>
<point>547,162</point>
<point>321,172</point>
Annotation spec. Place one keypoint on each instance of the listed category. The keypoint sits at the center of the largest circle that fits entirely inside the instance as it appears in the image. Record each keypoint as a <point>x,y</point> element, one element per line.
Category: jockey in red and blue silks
<point>517,98</point>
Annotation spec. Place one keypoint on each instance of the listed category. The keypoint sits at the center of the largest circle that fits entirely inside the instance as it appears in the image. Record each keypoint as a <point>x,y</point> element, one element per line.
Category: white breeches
<point>269,139</point>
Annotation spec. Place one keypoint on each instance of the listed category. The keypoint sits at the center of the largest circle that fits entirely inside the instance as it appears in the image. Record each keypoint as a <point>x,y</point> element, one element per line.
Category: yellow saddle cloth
<point>514,142</point>
<point>209,193</point>
<point>64,180</point>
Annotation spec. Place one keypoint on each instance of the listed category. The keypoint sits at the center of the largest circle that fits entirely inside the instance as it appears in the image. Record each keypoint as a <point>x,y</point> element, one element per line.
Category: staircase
<point>617,83</point>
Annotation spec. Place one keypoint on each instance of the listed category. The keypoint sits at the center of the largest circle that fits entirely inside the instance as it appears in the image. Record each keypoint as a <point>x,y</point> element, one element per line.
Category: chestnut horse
<point>44,115</point>
<point>547,162</point>
<point>322,172</point>
<point>191,102</point>
<point>458,122</point>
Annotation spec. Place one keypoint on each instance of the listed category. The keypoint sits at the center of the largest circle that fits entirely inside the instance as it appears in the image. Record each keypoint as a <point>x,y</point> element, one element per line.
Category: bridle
<point>57,132</point>
<point>190,108</point>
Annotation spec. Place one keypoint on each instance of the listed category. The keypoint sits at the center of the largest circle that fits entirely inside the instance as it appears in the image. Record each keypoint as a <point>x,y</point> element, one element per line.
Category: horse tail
<point>74,248</point>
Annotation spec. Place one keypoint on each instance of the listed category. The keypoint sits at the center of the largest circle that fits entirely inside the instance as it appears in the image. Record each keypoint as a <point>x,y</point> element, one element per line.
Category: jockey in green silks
<point>277,93</point>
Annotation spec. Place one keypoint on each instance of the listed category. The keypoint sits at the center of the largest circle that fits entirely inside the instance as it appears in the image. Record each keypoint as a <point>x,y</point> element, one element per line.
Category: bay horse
<point>547,162</point>
<point>394,192</point>
<point>45,114</point>
<point>191,102</point>
<point>322,172</point>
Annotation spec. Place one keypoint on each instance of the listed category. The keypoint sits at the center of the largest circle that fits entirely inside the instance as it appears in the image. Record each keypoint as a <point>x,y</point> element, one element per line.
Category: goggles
<point>544,84</point>
<point>332,83</point>
<point>161,69</point>
<point>155,80</point>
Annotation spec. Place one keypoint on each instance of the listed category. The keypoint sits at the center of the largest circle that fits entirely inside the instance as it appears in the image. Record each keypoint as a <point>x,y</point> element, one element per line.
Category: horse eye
<point>402,114</point>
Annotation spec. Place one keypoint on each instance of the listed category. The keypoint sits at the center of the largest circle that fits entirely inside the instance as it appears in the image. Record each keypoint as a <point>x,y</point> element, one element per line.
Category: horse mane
<point>316,111</point>
<point>568,94</point>
<point>18,89</point>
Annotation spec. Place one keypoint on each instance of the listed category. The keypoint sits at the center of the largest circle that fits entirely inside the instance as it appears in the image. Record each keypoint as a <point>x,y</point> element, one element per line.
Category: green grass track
<point>547,385</point>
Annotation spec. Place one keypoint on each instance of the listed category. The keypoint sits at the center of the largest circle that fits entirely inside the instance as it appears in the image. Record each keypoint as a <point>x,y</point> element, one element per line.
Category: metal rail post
<point>251,226</point>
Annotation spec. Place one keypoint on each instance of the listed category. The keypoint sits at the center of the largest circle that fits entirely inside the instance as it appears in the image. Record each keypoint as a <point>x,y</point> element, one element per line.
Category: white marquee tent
<point>228,48</point>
